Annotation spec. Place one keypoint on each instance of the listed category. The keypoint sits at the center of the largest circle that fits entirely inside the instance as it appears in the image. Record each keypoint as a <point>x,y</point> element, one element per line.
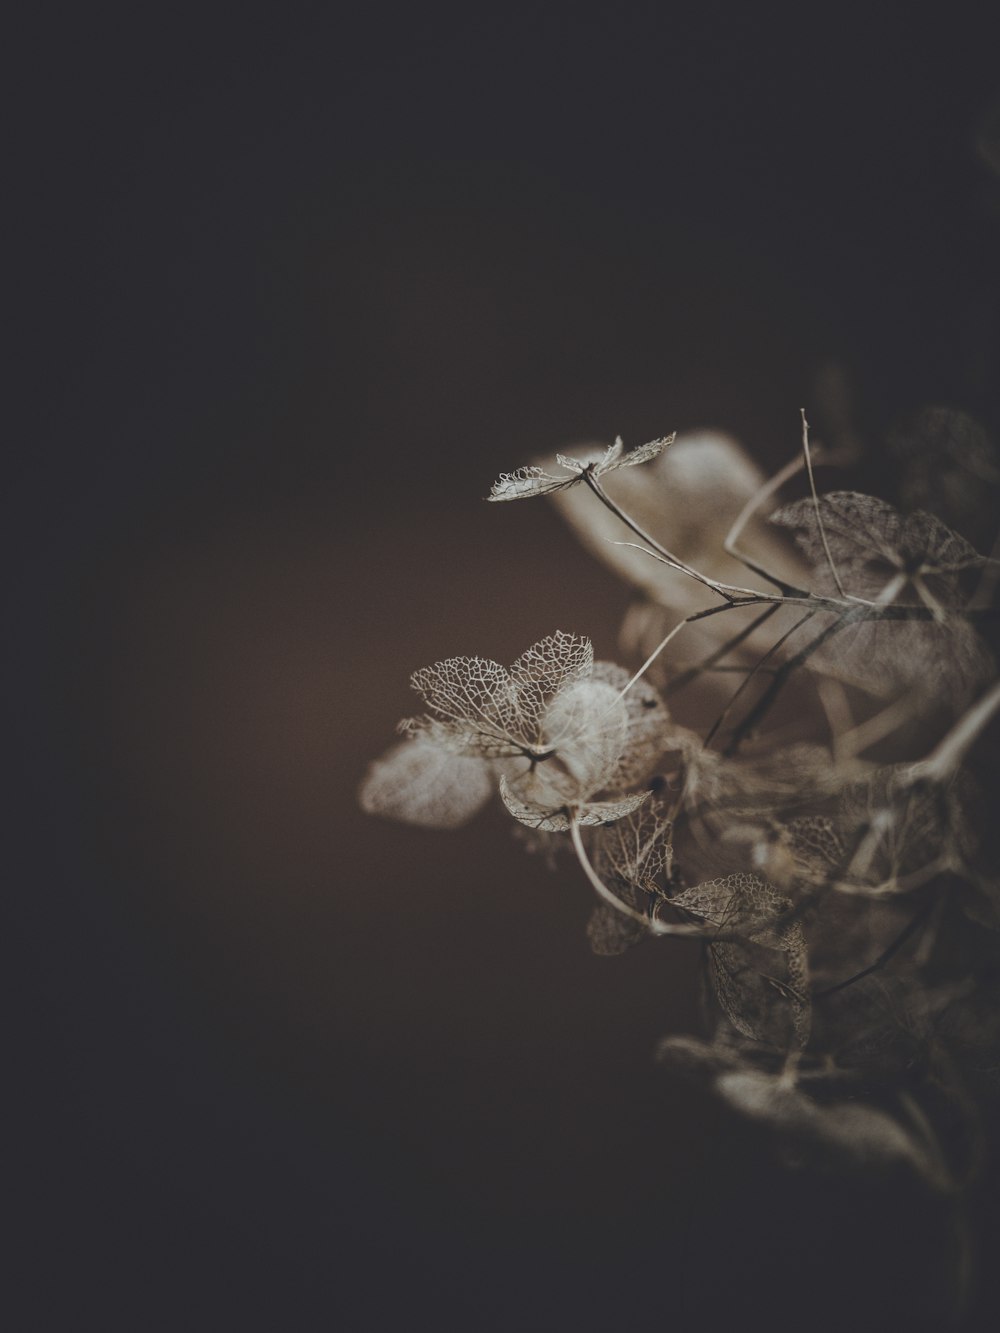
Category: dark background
<point>288,291</point>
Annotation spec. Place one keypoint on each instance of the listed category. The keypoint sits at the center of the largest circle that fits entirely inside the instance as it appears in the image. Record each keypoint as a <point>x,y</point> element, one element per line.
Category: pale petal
<point>418,783</point>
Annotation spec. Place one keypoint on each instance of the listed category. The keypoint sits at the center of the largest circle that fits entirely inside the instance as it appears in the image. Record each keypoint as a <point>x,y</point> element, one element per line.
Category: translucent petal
<point>757,1002</point>
<point>526,482</point>
<point>557,821</point>
<point>547,667</point>
<point>816,846</point>
<point>463,688</point>
<point>870,542</point>
<point>532,815</point>
<point>739,901</point>
<point>637,850</point>
<point>419,783</point>
<point>595,813</point>
<point>614,458</point>
<point>631,856</point>
<point>479,707</point>
<point>586,726</point>
<point>647,725</point>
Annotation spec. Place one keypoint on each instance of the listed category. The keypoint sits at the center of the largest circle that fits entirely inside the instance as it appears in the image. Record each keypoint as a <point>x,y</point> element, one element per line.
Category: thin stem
<point>879,609</point>
<point>909,929</point>
<point>744,683</point>
<point>709,662</point>
<point>854,740</point>
<point>748,511</point>
<point>948,754</point>
<point>732,592</point>
<point>764,704</point>
<point>652,924</point>
<point>599,886</point>
<point>815,500</point>
<point>656,546</point>
<point>656,652</point>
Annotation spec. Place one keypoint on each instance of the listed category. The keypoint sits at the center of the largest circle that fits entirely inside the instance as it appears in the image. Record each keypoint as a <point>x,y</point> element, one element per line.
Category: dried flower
<point>528,481</point>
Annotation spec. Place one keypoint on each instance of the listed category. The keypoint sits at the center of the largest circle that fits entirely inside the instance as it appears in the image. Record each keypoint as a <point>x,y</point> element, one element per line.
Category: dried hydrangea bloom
<point>559,730</point>
<point>596,740</point>
<point>585,750</point>
<point>418,782</point>
<point>829,897</point>
<point>528,481</point>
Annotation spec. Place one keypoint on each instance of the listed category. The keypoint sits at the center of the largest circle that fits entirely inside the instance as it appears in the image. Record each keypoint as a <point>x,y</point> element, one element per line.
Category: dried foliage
<point>825,839</point>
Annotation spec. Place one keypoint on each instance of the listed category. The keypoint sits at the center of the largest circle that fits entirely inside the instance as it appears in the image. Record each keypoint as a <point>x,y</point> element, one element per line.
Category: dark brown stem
<point>909,929</point>
<point>630,522</point>
<point>709,662</point>
<point>767,700</point>
<point>744,683</point>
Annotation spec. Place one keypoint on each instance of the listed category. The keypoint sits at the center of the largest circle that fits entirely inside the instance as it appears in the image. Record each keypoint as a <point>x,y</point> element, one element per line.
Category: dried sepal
<point>478,707</point>
<point>638,850</point>
<point>416,782</point>
<point>773,1010</point>
<point>739,902</point>
<point>816,846</point>
<point>873,546</point>
<point>547,667</point>
<point>754,999</point>
<point>642,453</point>
<point>648,729</point>
<point>609,931</point>
<point>558,819</point>
<point>887,557</point>
<point>525,482</point>
<point>583,736</point>
<point>634,857</point>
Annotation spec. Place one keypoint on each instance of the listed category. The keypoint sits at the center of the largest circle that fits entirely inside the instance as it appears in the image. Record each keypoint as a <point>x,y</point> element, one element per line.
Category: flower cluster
<point>826,836</point>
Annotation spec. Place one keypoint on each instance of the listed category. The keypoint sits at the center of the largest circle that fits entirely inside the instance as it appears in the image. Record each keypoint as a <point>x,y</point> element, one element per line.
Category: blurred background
<point>289,290</point>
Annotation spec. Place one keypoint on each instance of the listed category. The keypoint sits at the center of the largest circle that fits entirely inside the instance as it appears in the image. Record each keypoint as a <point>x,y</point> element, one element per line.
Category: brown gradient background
<point>290,292</point>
